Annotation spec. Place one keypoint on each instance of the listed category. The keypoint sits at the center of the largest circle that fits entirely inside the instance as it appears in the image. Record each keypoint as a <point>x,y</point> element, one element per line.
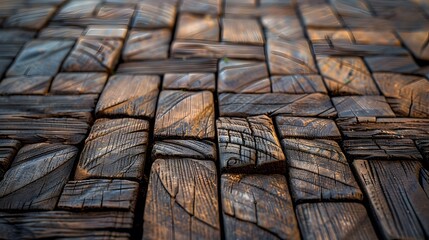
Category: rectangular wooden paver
<point>36,85</point>
<point>306,127</point>
<point>241,30</point>
<point>298,84</point>
<point>176,148</point>
<point>189,81</point>
<point>147,44</point>
<point>153,14</point>
<point>78,83</point>
<point>197,27</point>
<point>362,106</point>
<point>169,66</point>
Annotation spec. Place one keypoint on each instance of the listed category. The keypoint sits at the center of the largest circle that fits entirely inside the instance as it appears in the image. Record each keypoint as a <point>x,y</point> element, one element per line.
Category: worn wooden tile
<point>352,8</point>
<point>396,198</point>
<point>154,14</point>
<point>8,150</point>
<point>346,76</point>
<point>77,9</point>
<point>185,115</point>
<point>257,207</point>
<point>209,7</point>
<point>25,85</point>
<point>417,42</point>
<point>68,32</point>
<point>106,31</point>
<point>315,104</point>
<point>285,27</point>
<point>189,81</point>
<point>398,64</point>
<point>174,148</point>
<point>197,27</point>
<point>99,194</point>
<point>334,220</point>
<point>115,148</point>
<point>373,37</point>
<point>243,76</point>
<point>297,84</point>
<point>290,57</point>
<point>33,18</point>
<point>169,66</point>
<point>147,44</point>
<point>249,145</point>
<point>16,35</point>
<point>241,2</point>
<point>182,200</point>
<point>40,58</point>
<point>24,189</point>
<point>306,127</point>
<point>242,30</point>
<point>319,15</point>
<point>129,95</point>
<point>78,83</point>
<point>362,106</point>
<point>338,48</point>
<point>258,11</point>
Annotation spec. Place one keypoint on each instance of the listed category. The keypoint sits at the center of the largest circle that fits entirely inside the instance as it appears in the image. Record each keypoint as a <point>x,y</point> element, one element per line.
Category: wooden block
<point>23,188</point>
<point>290,57</point>
<point>257,207</point>
<point>335,220</point>
<point>347,49</point>
<point>99,194</point>
<point>310,105</point>
<point>306,127</point>
<point>33,18</point>
<point>258,11</point>
<point>346,76</point>
<point>362,106</point>
<point>77,9</point>
<point>241,30</point>
<point>61,32</point>
<point>115,148</point>
<point>285,27</point>
<point>240,2</point>
<point>352,8</point>
<point>319,171</point>
<point>147,44</point>
<point>197,27</point>
<point>129,95</point>
<point>373,37</point>
<point>209,7</point>
<point>297,84</point>
<point>154,14</point>
<point>8,150</point>
<point>322,35</point>
<point>243,76</point>
<point>182,200</point>
<point>169,66</point>
<point>416,41</point>
<point>382,149</point>
<point>16,35</point>
<point>319,15</point>
<point>25,85</point>
<point>398,64</point>
<point>204,150</point>
<point>189,81</point>
<point>78,83</point>
<point>396,198</point>
<point>106,31</point>
<point>423,146</point>
<point>249,145</point>
<point>407,95</point>
<point>40,58</point>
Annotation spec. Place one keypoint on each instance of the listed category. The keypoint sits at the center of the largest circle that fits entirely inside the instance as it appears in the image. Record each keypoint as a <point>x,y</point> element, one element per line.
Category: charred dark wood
<point>306,127</point>
<point>174,148</point>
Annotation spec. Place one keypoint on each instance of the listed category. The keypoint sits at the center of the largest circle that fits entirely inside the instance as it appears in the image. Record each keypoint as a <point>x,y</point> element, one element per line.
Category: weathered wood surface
<point>189,81</point>
<point>183,114</point>
<point>318,170</point>
<point>182,200</point>
<point>106,31</point>
<point>297,84</point>
<point>145,44</point>
<point>257,206</point>
<point>241,30</point>
<point>209,7</point>
<point>397,64</point>
<point>335,220</point>
<point>249,145</point>
<point>153,14</point>
<point>25,85</point>
<point>285,27</point>
<point>115,148</point>
<point>173,148</point>
<point>319,15</point>
<point>306,127</point>
<point>16,35</point>
<point>78,83</point>
<point>8,150</point>
<point>416,41</point>
<point>169,66</point>
<point>36,177</point>
<point>33,18</point>
<point>197,27</point>
<point>397,199</point>
<point>257,11</point>
<point>423,146</point>
<point>4,64</point>
<point>362,106</point>
<point>347,49</point>
<point>61,32</point>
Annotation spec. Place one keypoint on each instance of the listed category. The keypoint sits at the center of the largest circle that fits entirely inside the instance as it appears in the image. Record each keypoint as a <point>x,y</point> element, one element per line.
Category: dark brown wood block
<point>25,85</point>
<point>115,148</point>
<point>189,81</point>
<point>153,14</point>
<point>243,76</point>
<point>242,30</point>
<point>297,84</point>
<point>417,42</point>
<point>362,106</point>
<point>106,31</point>
<point>285,27</point>
<point>37,176</point>
<point>257,207</point>
<point>204,150</point>
<point>182,200</point>
<point>16,35</point>
<point>99,194</point>
<point>398,64</point>
<point>249,145</point>
<point>209,7</point>
<point>78,83</point>
<point>40,58</point>
<point>30,18</point>
<point>423,145</point>
<point>397,200</point>
<point>309,105</point>
<point>319,15</point>
<point>335,220</point>
<point>62,32</point>
<point>306,127</point>
<point>318,170</point>
<point>185,115</point>
<point>346,76</point>
<point>197,27</point>
<point>169,66</point>
<point>8,150</point>
<point>150,44</point>
<point>129,95</point>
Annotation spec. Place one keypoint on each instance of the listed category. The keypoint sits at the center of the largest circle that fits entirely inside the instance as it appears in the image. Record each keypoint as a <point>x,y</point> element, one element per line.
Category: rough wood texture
<point>209,7</point>
<point>318,170</point>
<point>78,83</point>
<point>204,150</point>
<point>347,49</point>
<point>417,42</point>
<point>257,207</point>
<point>302,127</point>
<point>16,35</point>
<point>142,45</point>
<point>8,150</point>
<point>99,194</point>
<point>407,95</point>
<point>153,14</point>
<point>169,66</point>
<point>197,27</point>
<point>4,64</point>
<point>258,11</point>
<point>334,220</point>
<point>315,104</point>
<point>25,85</point>
<point>30,18</point>
<point>346,76</point>
<point>189,81</point>
<point>249,145</point>
<point>36,177</point>
<point>241,30</point>
<point>423,145</point>
<point>68,32</point>
<point>398,64</point>
<point>129,95</point>
<point>115,148</point>
<point>352,8</point>
<point>397,200</point>
<point>185,115</point>
<point>182,200</point>
<point>297,84</point>
<point>319,15</point>
<point>243,76</point>
<point>106,31</point>
<point>285,27</point>
<point>362,106</point>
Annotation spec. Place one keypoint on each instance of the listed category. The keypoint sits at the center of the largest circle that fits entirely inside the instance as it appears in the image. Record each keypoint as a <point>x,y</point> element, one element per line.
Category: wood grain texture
<point>356,49</point>
<point>33,18</point>
<point>8,150</point>
<point>352,8</point>
<point>23,188</point>
<point>78,83</point>
<point>397,200</point>
<point>423,146</point>
<point>4,64</point>
<point>417,42</point>
<point>257,206</point>
<point>204,150</point>
<point>297,84</point>
<point>318,170</point>
<point>258,11</point>
<point>185,115</point>
<point>169,66</point>
<point>346,76</point>
<point>129,95</point>
<point>362,106</point>
<point>319,15</point>
<point>10,50</point>
<point>147,44</point>
<point>61,32</point>
<point>25,85</point>
<point>309,105</point>
<point>182,200</point>
<point>243,76</point>
<point>397,64</point>
<point>285,27</point>
<point>249,145</point>
<point>306,127</point>
<point>189,81</point>
<point>99,194</point>
<point>241,30</point>
<point>209,7</point>
<point>197,27</point>
<point>336,220</point>
<point>115,148</point>
<point>153,14</point>
<point>106,31</point>
<point>16,35</point>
